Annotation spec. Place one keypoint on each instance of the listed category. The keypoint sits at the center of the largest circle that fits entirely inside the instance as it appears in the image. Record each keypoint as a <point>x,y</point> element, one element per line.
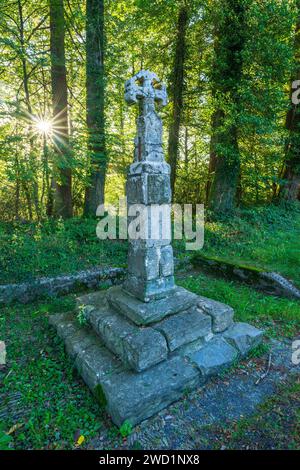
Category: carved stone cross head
<point>145,84</point>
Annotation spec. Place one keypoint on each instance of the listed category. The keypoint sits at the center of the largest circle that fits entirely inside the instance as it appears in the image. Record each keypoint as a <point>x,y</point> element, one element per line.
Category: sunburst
<point>44,126</point>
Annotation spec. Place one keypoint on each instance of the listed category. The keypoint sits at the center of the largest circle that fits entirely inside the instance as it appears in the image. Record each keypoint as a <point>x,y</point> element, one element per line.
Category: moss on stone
<point>100,395</point>
<point>198,257</point>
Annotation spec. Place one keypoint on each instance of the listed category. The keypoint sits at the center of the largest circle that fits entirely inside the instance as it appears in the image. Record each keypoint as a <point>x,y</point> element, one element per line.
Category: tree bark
<point>63,176</point>
<point>95,119</point>
<point>177,93</point>
<point>224,166</point>
<point>32,167</point>
<point>290,189</point>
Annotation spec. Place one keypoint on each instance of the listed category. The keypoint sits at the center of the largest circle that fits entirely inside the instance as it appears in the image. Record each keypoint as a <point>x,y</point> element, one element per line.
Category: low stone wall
<point>54,286</point>
<point>268,282</point>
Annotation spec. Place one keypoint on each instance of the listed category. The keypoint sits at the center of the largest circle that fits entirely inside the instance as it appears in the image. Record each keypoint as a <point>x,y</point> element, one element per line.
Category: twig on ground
<point>264,375</point>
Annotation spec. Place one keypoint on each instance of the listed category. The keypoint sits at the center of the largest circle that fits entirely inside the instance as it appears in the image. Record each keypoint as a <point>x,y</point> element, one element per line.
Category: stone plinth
<point>136,368</point>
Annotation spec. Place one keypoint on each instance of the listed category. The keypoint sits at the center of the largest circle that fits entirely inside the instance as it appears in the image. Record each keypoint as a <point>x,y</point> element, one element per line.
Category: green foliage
<point>126,429</point>
<point>54,405</point>
<point>5,439</point>
<point>133,41</point>
<point>81,316</point>
<point>266,237</point>
<point>54,247</point>
<point>259,350</point>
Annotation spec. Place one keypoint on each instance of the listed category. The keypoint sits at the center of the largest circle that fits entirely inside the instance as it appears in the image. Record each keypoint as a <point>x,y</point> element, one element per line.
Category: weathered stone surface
<point>128,395</point>
<point>274,283</point>
<point>185,327</point>
<point>60,285</point>
<point>143,313</point>
<point>138,348</point>
<point>135,397</point>
<point>139,167</point>
<point>85,304</point>
<point>95,364</point>
<point>216,355</point>
<point>151,271</point>
<point>76,337</point>
<point>148,290</point>
<point>80,342</point>
<point>148,188</point>
<point>146,348</point>
<point>65,324</point>
<point>244,337</point>
<point>268,282</point>
<point>143,262</point>
<point>148,141</point>
<point>166,261</point>
<point>151,262</point>
<point>2,353</point>
<point>221,314</point>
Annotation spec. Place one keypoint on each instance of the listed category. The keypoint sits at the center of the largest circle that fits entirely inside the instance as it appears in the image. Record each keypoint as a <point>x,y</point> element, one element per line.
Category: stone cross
<point>150,261</point>
<point>145,89</point>
<point>149,341</point>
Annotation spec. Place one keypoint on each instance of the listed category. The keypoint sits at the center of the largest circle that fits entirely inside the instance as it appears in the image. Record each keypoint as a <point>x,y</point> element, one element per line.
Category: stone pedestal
<point>149,341</point>
<point>138,357</point>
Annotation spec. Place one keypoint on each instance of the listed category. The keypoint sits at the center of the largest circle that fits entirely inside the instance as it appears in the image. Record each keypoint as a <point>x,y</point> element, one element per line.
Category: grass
<point>52,407</point>
<point>267,237</point>
<point>51,248</point>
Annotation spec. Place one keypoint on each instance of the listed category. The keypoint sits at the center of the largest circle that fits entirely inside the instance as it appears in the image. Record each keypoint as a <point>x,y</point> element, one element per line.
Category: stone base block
<point>221,314</point>
<point>149,290</point>
<point>243,337</point>
<point>214,356</point>
<point>184,328</point>
<point>142,347</point>
<point>138,348</point>
<point>143,313</point>
<point>134,396</point>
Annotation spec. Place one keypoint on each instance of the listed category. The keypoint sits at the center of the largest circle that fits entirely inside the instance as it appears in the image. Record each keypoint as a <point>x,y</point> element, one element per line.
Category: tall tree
<point>177,91</point>
<point>290,189</point>
<point>94,193</point>
<point>229,42</point>
<point>63,177</point>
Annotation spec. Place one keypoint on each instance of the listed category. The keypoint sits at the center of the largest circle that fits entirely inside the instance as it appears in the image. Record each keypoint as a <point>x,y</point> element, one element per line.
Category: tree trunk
<point>63,176</point>
<point>224,164</point>
<point>177,93</point>
<point>290,189</point>
<point>31,163</point>
<point>94,193</point>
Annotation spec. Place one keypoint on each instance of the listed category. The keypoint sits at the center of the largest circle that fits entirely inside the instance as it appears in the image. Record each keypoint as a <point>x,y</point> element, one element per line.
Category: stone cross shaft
<point>145,89</point>
<point>150,260</point>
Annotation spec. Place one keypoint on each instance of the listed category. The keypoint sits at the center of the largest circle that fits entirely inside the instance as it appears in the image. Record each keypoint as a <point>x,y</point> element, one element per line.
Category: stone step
<point>138,348</point>
<point>184,328</point>
<point>143,313</point>
<point>132,396</point>
<point>223,350</point>
<point>221,314</point>
<point>127,395</point>
<point>141,348</point>
<point>243,337</point>
<point>214,357</point>
<point>135,397</point>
